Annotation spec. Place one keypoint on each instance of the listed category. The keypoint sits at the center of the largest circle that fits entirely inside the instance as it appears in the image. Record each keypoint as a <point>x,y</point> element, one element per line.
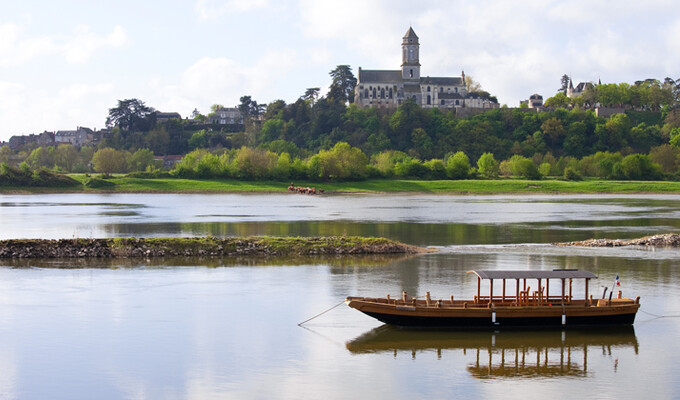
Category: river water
<point>189,328</point>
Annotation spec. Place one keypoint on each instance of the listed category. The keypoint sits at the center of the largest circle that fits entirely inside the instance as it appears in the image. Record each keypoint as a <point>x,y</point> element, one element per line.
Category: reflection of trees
<point>337,262</point>
<point>424,234</point>
<point>519,353</point>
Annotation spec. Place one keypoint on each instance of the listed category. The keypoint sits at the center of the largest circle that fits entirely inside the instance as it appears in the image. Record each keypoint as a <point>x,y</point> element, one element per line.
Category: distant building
<point>227,116</point>
<point>535,101</point>
<point>79,137</point>
<point>580,88</point>
<point>42,139</point>
<point>390,88</point>
<point>166,116</point>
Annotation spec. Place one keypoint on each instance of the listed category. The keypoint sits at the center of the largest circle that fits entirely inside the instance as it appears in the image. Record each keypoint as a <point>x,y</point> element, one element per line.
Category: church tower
<point>410,64</point>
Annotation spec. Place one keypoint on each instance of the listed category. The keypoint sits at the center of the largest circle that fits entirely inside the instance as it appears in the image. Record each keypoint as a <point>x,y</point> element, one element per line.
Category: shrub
<point>97,183</point>
<point>571,175</point>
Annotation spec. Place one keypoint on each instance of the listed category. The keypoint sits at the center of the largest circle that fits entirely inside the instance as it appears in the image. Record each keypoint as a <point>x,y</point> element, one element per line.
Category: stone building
<point>390,88</point>
<point>227,116</point>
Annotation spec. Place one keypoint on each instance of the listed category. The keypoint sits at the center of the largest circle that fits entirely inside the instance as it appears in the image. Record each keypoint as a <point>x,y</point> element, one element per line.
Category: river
<point>189,328</point>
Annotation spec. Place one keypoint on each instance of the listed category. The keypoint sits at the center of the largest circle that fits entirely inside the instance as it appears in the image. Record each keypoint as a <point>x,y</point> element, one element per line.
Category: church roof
<point>450,96</point>
<point>379,76</point>
<point>448,81</point>
<point>410,34</point>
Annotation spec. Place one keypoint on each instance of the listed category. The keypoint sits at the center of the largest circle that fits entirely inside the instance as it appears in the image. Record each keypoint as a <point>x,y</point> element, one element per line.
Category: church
<point>390,88</point>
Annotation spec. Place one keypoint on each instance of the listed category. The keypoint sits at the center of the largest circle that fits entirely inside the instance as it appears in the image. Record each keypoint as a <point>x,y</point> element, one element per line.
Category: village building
<point>534,101</point>
<point>167,116</point>
<point>576,91</point>
<point>79,137</point>
<point>390,88</point>
<point>227,116</point>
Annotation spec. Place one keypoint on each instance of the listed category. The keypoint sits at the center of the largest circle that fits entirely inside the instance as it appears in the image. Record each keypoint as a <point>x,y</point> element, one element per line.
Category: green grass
<point>500,186</point>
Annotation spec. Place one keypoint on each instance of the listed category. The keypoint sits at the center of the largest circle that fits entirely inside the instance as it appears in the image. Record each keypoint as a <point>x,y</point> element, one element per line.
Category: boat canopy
<point>524,274</point>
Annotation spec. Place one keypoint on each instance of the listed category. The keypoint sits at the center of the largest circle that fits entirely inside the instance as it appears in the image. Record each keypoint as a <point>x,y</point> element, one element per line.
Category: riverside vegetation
<point>203,246</point>
<point>330,140</point>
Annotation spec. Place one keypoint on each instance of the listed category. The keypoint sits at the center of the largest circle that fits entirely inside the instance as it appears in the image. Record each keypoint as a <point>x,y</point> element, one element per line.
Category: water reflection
<point>336,261</point>
<point>508,353</point>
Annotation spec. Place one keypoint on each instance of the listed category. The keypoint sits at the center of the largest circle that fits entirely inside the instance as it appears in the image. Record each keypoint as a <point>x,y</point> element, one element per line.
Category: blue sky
<point>65,63</point>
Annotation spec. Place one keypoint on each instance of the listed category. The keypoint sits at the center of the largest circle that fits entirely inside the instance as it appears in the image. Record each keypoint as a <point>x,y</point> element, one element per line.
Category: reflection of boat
<point>516,353</point>
<point>521,308</point>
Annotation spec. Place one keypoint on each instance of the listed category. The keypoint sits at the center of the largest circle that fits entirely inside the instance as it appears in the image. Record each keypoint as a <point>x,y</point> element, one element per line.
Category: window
<point>457,102</point>
<point>442,102</point>
<point>428,98</point>
<point>366,93</point>
<point>390,93</point>
<point>441,90</point>
<point>411,74</point>
<point>382,93</point>
<point>428,88</point>
<point>374,93</point>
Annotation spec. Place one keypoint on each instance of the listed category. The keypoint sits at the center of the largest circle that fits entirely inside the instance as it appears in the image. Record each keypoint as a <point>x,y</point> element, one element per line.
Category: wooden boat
<point>523,308</point>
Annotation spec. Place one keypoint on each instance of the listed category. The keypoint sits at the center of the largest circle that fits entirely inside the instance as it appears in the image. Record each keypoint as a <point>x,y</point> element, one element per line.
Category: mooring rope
<point>321,313</point>
<point>660,316</point>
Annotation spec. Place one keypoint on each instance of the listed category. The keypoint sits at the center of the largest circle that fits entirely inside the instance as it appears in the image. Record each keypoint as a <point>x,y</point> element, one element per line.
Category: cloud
<point>222,80</point>
<point>16,48</point>
<point>209,9</point>
<point>60,108</point>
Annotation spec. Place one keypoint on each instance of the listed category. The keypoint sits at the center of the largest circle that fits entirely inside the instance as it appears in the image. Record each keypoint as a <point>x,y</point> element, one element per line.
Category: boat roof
<point>524,274</point>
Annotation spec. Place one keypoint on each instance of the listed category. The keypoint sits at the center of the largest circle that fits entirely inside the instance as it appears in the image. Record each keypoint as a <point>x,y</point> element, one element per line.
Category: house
<point>579,89</point>
<point>166,116</point>
<point>227,116</point>
<point>535,101</point>
<point>390,88</point>
<point>79,137</point>
<point>168,162</point>
<point>43,139</point>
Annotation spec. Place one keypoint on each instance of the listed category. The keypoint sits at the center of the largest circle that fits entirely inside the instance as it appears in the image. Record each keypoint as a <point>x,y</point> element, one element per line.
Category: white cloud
<point>16,48</point>
<point>224,81</point>
<point>208,9</point>
<point>80,47</point>
<point>34,110</point>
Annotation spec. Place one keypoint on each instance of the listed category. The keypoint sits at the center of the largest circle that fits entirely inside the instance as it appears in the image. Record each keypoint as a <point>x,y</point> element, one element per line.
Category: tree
<point>140,160</point>
<point>560,100</point>
<point>458,166</point>
<point>108,160</point>
<point>564,84</point>
<point>130,115</point>
<point>342,86</point>
<point>472,85</point>
<point>487,166</point>
<point>340,162</point>
<point>311,94</point>
<point>249,107</point>
<point>65,157</point>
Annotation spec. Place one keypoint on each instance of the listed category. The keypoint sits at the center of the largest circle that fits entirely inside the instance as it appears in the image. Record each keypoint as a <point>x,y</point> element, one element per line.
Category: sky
<point>64,63</point>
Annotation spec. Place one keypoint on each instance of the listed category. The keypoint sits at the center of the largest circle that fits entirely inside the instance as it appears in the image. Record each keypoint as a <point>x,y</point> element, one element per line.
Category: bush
<point>97,183</point>
<point>571,175</point>
<point>458,166</point>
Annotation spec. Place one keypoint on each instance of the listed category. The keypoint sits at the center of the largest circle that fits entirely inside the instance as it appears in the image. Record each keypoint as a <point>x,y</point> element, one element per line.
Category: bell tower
<point>410,59</point>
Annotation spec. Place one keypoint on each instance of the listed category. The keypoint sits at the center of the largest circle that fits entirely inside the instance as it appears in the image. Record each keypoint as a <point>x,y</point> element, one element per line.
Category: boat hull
<point>430,317</point>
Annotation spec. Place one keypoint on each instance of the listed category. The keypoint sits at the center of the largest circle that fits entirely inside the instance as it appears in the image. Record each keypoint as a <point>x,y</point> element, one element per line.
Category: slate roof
<point>450,96</point>
<point>447,81</point>
<point>410,34</point>
<point>379,76</point>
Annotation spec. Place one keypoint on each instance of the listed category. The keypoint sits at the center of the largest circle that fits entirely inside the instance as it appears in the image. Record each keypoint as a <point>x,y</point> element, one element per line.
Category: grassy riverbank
<point>202,246</point>
<point>125,184</point>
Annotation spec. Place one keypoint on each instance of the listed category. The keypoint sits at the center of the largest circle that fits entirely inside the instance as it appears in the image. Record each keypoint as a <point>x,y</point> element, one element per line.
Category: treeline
<point>649,94</point>
<point>67,158</point>
<point>343,162</point>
